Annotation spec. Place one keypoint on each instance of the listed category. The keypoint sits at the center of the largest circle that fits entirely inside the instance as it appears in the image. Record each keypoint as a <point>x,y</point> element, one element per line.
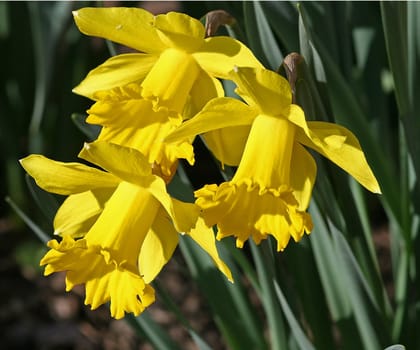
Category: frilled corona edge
<point>105,278</point>
<point>245,209</point>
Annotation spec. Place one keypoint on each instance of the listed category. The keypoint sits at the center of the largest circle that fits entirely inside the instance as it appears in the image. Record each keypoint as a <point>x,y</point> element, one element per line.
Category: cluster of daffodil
<point>119,226</point>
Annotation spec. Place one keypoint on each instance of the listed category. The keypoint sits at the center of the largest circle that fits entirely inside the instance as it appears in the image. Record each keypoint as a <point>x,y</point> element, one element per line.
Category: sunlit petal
<point>303,176</point>
<point>117,71</point>
<point>220,54</point>
<point>340,146</point>
<point>263,88</point>
<point>180,31</point>
<point>204,89</point>
<point>127,163</point>
<point>122,25</point>
<point>204,237</point>
<point>228,144</point>
<point>66,178</point>
<point>169,82</point>
<point>218,113</point>
<point>268,153</point>
<point>183,215</point>
<point>158,246</point>
<point>78,212</point>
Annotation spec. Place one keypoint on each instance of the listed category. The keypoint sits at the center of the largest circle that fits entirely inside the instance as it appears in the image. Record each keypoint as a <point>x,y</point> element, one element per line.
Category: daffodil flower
<point>174,73</point>
<point>127,222</point>
<point>271,189</point>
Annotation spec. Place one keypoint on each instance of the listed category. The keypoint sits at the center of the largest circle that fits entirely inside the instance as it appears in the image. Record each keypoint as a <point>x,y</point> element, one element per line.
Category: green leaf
<point>34,227</point>
<point>264,263</point>
<point>305,288</point>
<point>4,20</point>
<point>157,337</point>
<point>299,335</point>
<point>282,17</point>
<point>230,305</point>
<point>171,305</point>
<point>363,302</point>
<point>47,23</point>
<point>348,112</point>
<point>260,36</point>
<point>346,290</point>
<point>325,258</point>
<point>401,29</point>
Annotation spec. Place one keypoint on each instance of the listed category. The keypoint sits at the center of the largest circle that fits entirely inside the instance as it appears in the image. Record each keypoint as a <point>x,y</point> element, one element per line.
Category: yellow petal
<point>64,255</point>
<point>220,54</point>
<point>158,247</point>
<point>183,215</point>
<point>263,88</point>
<point>268,152</point>
<point>133,122</point>
<point>169,82</point>
<point>78,212</point>
<point>340,146</point>
<point>180,31</point>
<point>218,113</point>
<point>132,27</point>
<point>302,176</point>
<point>127,163</point>
<point>117,71</point>
<point>204,89</point>
<point>66,178</point>
<point>105,279</point>
<point>204,237</point>
<point>127,293</point>
<point>228,144</point>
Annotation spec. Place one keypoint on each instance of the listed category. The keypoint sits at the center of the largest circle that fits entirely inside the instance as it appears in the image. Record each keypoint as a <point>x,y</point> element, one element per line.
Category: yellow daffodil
<point>142,96</point>
<point>271,189</point>
<point>127,222</point>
